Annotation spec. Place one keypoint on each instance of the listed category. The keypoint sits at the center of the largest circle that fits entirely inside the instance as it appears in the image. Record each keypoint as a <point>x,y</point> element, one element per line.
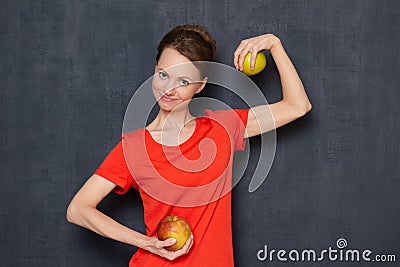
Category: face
<point>176,80</point>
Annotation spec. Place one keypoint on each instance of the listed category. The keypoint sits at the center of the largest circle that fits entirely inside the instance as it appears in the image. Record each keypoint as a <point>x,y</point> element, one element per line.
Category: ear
<point>203,84</point>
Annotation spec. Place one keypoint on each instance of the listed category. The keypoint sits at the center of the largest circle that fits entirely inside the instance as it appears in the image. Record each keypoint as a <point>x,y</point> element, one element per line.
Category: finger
<point>184,250</point>
<point>241,58</point>
<point>235,59</point>
<point>241,52</point>
<point>250,47</point>
<point>253,59</point>
<point>188,244</point>
<point>191,243</point>
<point>166,243</point>
<point>237,55</point>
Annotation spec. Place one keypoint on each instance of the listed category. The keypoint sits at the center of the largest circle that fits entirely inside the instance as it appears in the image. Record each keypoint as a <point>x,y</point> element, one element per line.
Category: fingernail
<point>172,240</point>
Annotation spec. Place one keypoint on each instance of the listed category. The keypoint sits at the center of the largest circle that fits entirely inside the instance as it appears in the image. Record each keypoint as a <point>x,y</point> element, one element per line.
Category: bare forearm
<point>292,87</point>
<point>94,220</point>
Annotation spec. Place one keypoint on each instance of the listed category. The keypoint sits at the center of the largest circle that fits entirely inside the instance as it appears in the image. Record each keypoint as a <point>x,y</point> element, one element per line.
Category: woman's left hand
<point>254,45</point>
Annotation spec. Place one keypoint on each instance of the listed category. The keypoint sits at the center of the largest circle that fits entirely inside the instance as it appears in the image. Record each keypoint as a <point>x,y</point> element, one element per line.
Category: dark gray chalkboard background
<point>68,70</point>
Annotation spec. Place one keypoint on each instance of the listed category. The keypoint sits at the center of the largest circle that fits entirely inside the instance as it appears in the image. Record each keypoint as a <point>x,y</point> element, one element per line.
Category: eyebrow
<point>158,68</point>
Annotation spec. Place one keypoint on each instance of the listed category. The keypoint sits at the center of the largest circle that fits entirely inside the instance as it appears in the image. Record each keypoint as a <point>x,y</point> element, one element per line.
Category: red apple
<point>176,227</point>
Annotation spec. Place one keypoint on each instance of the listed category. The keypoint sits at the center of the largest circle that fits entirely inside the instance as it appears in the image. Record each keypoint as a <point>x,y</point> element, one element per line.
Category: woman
<point>174,126</point>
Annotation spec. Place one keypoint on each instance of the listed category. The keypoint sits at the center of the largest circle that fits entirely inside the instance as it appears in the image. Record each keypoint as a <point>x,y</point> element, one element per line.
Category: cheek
<point>186,93</point>
<point>157,84</point>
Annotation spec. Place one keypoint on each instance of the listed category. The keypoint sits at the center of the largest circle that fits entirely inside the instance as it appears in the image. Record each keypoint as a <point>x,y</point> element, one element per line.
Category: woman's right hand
<point>157,246</point>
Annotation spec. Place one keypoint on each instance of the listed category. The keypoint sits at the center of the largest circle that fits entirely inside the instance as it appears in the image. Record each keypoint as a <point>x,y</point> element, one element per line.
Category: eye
<point>184,82</point>
<point>162,75</point>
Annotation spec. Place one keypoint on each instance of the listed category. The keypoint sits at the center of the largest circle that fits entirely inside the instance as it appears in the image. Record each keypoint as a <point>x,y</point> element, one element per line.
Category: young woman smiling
<point>175,127</point>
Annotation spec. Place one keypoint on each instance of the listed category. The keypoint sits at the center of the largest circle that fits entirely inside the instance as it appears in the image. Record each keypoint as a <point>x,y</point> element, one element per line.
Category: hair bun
<point>191,40</point>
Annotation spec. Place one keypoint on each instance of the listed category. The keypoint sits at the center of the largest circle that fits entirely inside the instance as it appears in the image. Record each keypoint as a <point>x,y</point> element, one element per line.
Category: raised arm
<point>83,211</point>
<point>294,103</point>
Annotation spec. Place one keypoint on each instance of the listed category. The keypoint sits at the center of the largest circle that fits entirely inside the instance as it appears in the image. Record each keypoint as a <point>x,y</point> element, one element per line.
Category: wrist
<point>141,241</point>
<point>277,45</point>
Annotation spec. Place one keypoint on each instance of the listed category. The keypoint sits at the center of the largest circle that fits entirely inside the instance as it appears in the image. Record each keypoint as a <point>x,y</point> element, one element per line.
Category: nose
<point>169,89</point>
<point>169,92</point>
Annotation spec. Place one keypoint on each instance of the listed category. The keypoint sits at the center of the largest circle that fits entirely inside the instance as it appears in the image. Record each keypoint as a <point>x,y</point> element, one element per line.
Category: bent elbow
<point>309,107</point>
<point>71,213</point>
<point>301,111</point>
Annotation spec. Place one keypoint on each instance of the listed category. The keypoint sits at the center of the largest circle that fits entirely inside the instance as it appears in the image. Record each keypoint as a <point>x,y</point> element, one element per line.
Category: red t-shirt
<point>192,180</point>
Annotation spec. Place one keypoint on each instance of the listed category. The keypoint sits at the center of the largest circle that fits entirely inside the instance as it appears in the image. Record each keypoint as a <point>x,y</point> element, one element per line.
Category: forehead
<point>174,63</point>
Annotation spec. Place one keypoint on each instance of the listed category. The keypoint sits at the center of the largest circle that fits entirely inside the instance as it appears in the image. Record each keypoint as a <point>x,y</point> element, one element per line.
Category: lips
<point>167,99</point>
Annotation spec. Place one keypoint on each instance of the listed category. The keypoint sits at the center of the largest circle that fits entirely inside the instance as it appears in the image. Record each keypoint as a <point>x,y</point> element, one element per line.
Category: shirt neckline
<point>196,128</point>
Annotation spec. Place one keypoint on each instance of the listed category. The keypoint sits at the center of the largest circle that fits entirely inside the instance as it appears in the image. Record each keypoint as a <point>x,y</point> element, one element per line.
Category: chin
<point>165,107</point>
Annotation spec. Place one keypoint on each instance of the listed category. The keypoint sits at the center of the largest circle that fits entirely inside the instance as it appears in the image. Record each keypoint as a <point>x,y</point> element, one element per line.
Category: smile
<point>167,99</point>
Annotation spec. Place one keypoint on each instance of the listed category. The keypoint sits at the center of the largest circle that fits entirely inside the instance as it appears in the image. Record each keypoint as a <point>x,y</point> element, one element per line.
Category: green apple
<point>261,62</point>
<point>176,227</point>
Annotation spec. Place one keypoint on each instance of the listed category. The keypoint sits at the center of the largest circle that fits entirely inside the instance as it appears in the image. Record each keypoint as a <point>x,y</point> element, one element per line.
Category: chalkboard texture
<point>69,68</point>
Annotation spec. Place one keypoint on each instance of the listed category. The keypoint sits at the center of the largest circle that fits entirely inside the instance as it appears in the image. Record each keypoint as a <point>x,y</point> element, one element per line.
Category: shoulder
<point>229,116</point>
<point>133,134</point>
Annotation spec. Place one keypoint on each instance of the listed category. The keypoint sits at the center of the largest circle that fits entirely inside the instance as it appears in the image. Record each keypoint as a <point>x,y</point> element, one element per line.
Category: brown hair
<point>192,41</point>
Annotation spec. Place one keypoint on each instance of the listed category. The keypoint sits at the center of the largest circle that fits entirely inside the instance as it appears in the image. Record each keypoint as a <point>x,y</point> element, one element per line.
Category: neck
<point>172,120</point>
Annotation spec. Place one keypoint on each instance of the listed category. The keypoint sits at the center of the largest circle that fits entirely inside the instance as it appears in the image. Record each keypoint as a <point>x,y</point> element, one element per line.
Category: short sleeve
<point>234,121</point>
<point>115,169</point>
